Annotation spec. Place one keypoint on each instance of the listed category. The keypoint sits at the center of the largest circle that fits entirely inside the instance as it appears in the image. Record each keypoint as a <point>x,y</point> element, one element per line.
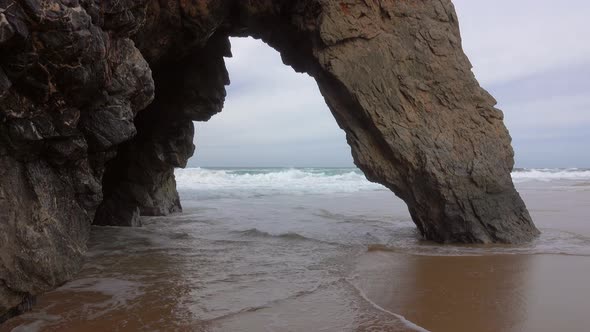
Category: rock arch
<point>82,138</point>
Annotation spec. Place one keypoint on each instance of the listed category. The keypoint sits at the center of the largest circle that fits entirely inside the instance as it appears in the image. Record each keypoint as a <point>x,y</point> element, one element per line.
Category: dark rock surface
<point>83,140</point>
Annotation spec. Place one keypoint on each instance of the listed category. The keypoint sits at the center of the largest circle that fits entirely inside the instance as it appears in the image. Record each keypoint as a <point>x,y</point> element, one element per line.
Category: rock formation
<point>97,99</point>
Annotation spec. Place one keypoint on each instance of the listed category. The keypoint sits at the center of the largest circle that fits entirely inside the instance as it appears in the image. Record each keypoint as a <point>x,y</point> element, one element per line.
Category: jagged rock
<point>81,140</point>
<point>57,68</point>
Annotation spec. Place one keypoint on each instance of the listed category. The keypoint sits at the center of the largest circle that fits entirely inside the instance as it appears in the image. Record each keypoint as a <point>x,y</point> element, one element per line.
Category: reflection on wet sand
<point>480,293</point>
<point>333,307</point>
<point>148,288</point>
<point>116,291</point>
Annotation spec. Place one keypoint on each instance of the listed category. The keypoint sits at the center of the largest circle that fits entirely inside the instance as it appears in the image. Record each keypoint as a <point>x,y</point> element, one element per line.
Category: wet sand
<point>207,280</point>
<point>455,294</point>
<point>512,292</point>
<point>486,293</point>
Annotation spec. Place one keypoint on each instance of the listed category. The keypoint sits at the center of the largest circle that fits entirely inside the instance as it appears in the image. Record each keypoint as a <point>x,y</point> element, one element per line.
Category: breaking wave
<point>264,181</point>
<point>550,174</point>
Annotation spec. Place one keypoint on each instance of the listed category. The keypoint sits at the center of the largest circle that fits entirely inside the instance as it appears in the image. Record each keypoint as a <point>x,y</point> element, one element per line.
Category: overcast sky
<point>532,55</point>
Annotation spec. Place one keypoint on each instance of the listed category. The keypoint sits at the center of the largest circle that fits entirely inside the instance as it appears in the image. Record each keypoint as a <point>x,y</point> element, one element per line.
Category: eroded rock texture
<point>97,100</point>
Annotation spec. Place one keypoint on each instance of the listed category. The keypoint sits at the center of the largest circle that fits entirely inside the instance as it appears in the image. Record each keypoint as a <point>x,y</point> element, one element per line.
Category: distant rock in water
<point>97,100</point>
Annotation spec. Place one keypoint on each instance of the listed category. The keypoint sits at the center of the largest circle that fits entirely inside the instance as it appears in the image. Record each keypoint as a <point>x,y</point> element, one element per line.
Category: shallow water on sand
<point>282,256</point>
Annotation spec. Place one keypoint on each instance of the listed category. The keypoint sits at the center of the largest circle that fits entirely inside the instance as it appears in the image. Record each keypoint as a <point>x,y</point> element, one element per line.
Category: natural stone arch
<point>76,79</point>
<point>397,82</point>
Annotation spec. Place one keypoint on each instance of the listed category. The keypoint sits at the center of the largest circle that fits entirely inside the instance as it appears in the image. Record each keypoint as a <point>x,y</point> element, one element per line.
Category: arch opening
<point>272,117</point>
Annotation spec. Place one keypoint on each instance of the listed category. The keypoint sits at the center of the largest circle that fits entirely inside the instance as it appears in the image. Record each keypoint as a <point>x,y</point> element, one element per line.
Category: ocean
<point>323,249</point>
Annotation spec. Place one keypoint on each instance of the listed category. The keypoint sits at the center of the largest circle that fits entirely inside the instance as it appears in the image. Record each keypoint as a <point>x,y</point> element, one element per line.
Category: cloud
<point>273,116</point>
<point>507,39</point>
<point>552,114</point>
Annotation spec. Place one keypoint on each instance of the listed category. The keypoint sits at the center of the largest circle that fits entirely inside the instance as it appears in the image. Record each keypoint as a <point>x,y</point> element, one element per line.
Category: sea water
<point>283,249</point>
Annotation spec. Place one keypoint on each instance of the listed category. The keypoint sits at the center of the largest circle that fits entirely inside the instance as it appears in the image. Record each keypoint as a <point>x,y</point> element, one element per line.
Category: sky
<point>533,56</point>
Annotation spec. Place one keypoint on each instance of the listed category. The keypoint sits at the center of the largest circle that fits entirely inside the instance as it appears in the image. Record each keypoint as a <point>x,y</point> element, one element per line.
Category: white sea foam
<point>550,174</point>
<point>409,324</point>
<point>328,180</point>
<point>264,181</point>
<point>550,242</point>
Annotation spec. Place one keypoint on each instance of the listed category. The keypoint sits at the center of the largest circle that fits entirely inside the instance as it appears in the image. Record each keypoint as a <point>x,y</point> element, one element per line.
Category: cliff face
<point>97,100</point>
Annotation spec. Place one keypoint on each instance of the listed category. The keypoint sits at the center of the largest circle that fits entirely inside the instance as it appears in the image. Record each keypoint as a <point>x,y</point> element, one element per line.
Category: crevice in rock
<point>140,179</point>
